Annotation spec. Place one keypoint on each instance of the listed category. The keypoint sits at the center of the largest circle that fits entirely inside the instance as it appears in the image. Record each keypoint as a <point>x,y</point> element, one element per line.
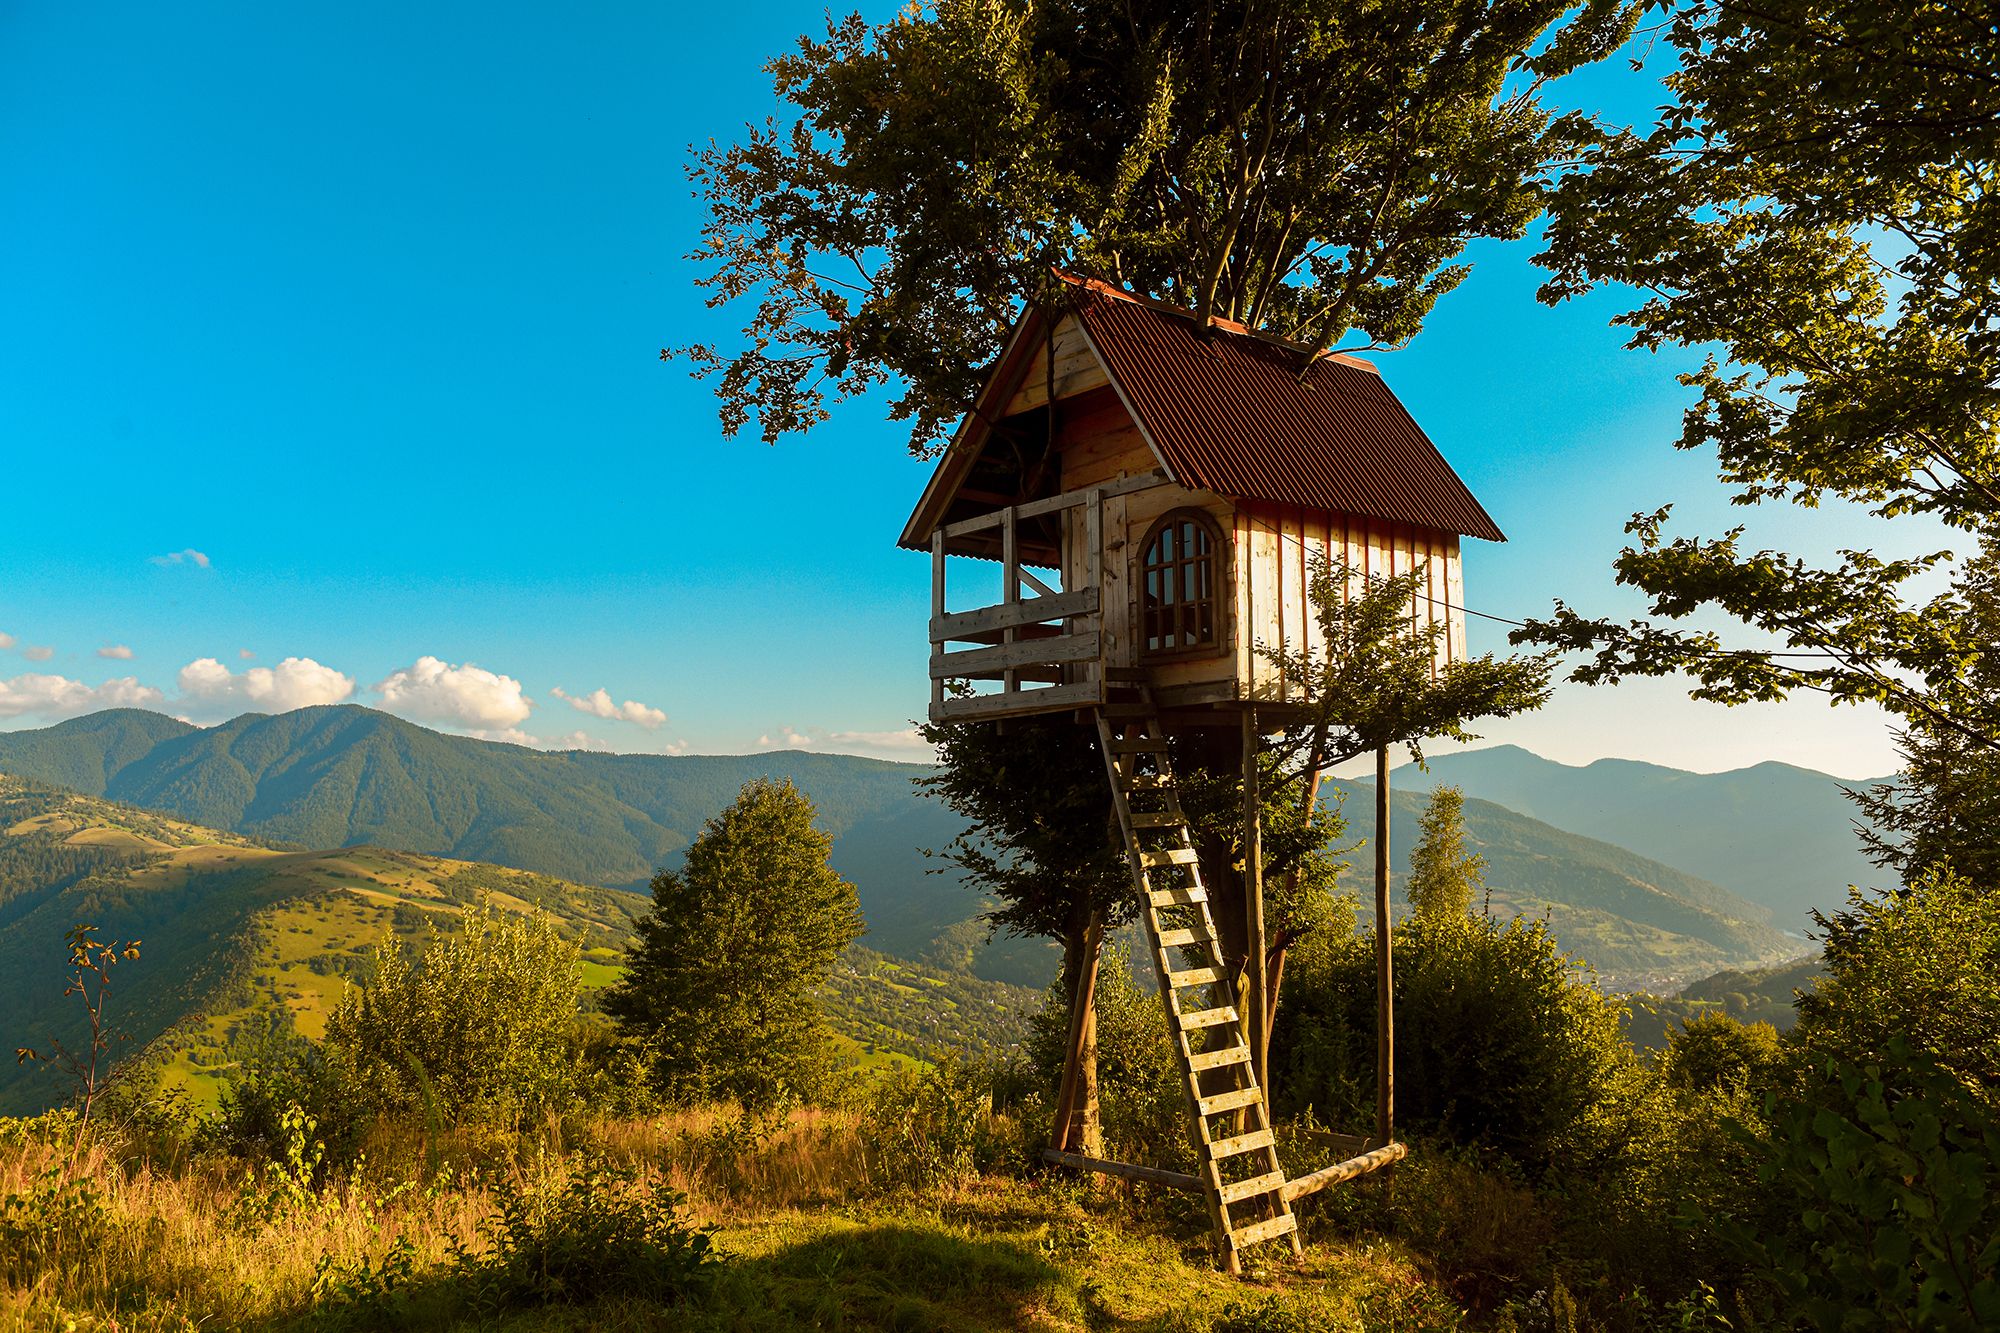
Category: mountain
<point>1780,836</point>
<point>348,776</point>
<point>345,776</point>
<point>240,940</point>
<point>1643,925</point>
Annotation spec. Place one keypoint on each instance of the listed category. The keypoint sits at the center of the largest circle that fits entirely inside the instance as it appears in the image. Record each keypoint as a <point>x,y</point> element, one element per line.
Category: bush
<point>1500,1041</point>
<point>1141,1101</point>
<point>481,1026</point>
<point>601,1230</point>
<point>930,1127</point>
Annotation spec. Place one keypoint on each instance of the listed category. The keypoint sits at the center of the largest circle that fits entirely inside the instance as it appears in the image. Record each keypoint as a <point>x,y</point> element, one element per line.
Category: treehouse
<point>1155,497</point>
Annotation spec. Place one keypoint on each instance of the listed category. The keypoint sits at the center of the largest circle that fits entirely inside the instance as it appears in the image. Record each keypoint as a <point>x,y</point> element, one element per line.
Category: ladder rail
<point>1270,1213</point>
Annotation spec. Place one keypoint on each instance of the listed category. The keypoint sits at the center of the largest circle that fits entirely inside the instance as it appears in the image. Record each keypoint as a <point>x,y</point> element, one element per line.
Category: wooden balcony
<point>1042,644</point>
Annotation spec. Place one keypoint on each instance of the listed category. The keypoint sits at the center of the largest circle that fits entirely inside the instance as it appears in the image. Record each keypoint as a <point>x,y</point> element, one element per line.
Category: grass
<point>813,1223</point>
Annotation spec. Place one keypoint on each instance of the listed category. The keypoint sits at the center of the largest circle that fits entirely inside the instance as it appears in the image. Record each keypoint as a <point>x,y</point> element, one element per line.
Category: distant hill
<point>348,776</point>
<point>1780,836</point>
<point>242,940</point>
<point>1761,995</point>
<point>1643,925</point>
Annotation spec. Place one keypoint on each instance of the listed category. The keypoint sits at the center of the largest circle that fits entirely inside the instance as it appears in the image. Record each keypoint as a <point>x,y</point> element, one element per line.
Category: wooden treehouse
<point>1153,497</point>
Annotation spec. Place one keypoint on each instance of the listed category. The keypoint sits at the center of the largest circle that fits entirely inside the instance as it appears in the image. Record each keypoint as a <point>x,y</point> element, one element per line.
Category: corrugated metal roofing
<point>1228,413</point>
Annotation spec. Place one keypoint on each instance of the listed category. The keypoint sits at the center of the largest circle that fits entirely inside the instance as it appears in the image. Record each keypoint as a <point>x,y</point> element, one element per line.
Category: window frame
<point>1218,563</point>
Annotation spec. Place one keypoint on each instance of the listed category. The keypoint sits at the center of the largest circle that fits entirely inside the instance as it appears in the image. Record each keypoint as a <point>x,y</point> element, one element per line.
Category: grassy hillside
<point>1642,924</point>
<point>242,940</point>
<point>1778,835</point>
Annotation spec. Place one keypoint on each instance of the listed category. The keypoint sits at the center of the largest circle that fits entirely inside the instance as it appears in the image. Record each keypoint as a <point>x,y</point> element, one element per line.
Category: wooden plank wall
<point>1275,548</point>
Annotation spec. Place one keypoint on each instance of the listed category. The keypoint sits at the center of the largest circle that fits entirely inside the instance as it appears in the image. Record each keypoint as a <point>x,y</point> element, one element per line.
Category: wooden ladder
<point>1239,1171</point>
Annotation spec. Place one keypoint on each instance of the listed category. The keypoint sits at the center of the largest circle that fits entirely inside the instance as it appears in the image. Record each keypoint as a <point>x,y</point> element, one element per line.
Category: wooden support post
<point>1256,997</point>
<point>1385,967</point>
<point>937,613</point>
<point>1010,558</point>
<point>1076,1101</point>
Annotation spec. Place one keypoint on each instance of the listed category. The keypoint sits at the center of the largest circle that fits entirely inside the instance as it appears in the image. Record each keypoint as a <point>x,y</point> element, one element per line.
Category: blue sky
<point>362,303</point>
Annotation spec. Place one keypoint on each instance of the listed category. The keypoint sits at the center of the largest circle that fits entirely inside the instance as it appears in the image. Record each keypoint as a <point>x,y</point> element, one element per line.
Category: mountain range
<point>1780,836</point>
<point>337,777</point>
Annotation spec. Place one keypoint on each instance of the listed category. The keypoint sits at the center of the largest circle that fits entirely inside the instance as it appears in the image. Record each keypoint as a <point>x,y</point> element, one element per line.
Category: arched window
<point>1179,579</point>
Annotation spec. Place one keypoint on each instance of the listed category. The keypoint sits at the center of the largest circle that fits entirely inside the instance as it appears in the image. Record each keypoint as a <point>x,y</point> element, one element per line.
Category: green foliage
<point>1920,965</point>
<point>600,1229</point>
<point>1446,877</point>
<point>480,1023</point>
<point>1886,1192</point>
<point>58,1215</point>
<point>1813,210</point>
<point>1500,1041</point>
<point>1713,1052</point>
<point>930,1127</point>
<point>721,984</point>
<point>889,1004</point>
<point>1306,171</point>
<point>1378,681</point>
<point>1142,1098</point>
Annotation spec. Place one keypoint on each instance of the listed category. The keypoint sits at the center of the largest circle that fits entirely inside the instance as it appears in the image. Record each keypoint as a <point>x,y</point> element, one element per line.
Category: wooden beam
<point>969,662</point>
<point>1385,965</point>
<point>1152,1175</point>
<point>1021,703</point>
<point>1027,611</point>
<point>1347,1170</point>
<point>1145,481</point>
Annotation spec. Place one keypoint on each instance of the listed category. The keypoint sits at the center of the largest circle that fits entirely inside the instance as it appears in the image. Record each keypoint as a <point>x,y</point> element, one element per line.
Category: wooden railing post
<point>937,612</point>
<point>1010,557</point>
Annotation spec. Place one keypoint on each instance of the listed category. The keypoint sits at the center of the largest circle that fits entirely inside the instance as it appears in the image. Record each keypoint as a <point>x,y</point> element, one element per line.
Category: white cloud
<point>505,735</point>
<point>59,696</point>
<point>117,652</point>
<point>788,738</point>
<point>598,704</point>
<point>6,642</point>
<point>296,682</point>
<point>576,740</point>
<point>40,652</point>
<point>188,557</point>
<point>245,654</point>
<point>908,743</point>
<point>430,690</point>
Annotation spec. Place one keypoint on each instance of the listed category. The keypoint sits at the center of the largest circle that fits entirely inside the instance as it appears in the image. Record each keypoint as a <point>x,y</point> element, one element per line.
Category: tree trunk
<point>1077,1128</point>
<point>1385,998</point>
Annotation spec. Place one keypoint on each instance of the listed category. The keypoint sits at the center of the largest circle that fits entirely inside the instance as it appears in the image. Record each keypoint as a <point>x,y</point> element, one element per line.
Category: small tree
<point>481,1024</point>
<point>1445,874</point>
<point>1379,683</point>
<point>722,983</point>
<point>90,962</point>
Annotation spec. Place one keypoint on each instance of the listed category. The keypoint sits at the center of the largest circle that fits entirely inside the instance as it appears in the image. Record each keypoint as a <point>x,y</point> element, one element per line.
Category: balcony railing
<point>1043,645</point>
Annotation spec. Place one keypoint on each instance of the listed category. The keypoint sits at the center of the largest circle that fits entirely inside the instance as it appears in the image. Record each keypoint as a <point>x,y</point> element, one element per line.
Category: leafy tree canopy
<point>1445,874</point>
<point>722,982</point>
<point>1310,170</point>
<point>1815,205</point>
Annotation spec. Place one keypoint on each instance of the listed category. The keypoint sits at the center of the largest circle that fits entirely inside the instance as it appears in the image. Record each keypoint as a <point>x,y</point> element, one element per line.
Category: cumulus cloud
<point>505,735</point>
<point>430,690</point>
<point>117,652</point>
<point>39,652</point>
<point>6,642</point>
<point>188,557</point>
<point>245,654</point>
<point>59,696</point>
<point>787,738</point>
<point>907,743</point>
<point>296,682</point>
<point>576,740</point>
<point>598,704</point>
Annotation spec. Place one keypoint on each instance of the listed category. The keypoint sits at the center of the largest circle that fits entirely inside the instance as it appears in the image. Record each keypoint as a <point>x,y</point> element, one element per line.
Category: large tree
<point>1310,170</point>
<point>722,984</point>
<point>1815,210</point>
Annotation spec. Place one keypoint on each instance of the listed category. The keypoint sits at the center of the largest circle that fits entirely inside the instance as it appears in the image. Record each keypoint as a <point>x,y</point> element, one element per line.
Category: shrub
<point>930,1127</point>
<point>1713,1052</point>
<point>480,1026</point>
<point>600,1230</point>
<point>1141,1102</point>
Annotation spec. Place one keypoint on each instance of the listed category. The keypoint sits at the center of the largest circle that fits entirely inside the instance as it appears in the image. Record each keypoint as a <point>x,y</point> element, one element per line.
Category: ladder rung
<point>1147,782</point>
<point>1229,1101</point>
<point>1251,1188</point>
<point>1229,1055</point>
<point>1187,897</point>
<point>1171,856</point>
<point>1208,1018</point>
<point>1157,818</point>
<point>1195,976</point>
<point>1140,745</point>
<point>1242,1143</point>
<point>1174,939</point>
<point>1269,1229</point>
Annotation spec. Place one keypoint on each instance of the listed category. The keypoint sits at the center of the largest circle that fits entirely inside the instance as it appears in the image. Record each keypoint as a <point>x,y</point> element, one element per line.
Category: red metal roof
<point>1228,413</point>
